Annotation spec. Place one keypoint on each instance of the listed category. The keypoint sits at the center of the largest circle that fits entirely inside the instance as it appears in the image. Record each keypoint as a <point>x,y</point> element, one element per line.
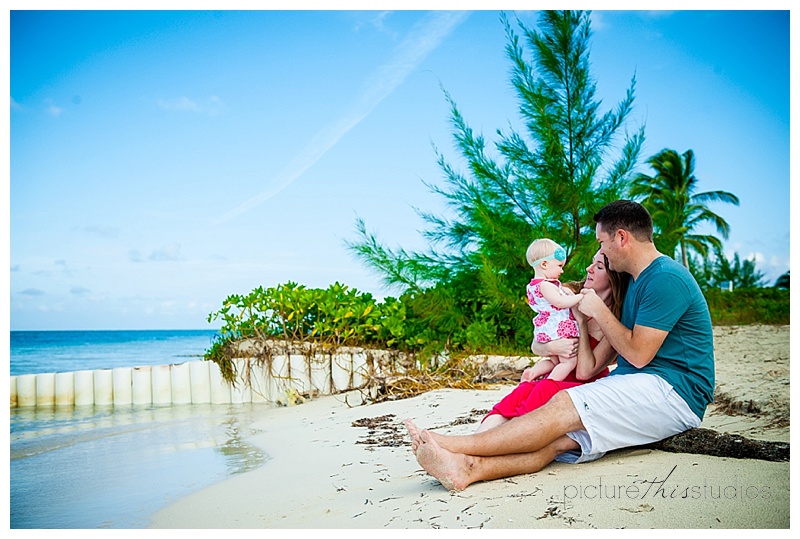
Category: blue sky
<point>160,161</point>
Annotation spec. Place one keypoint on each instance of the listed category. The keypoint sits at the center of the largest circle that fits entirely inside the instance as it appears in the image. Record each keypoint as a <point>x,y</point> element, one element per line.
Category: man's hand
<point>591,305</point>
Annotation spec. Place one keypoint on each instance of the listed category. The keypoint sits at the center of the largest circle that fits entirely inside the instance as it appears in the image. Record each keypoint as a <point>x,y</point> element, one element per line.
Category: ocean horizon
<point>45,351</point>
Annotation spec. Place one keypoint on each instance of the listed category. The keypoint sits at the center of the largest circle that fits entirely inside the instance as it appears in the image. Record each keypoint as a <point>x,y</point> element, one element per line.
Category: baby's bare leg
<point>565,366</point>
<point>541,368</point>
<point>491,422</point>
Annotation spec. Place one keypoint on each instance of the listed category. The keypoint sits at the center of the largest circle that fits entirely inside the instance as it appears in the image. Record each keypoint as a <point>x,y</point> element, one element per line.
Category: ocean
<point>34,352</point>
<point>114,466</point>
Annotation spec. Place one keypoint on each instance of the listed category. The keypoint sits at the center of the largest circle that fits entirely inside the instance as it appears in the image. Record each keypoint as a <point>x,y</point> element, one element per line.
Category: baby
<point>552,302</point>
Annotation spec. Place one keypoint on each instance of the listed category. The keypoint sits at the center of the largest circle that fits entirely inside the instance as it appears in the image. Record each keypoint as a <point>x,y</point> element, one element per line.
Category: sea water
<point>114,466</point>
<point>34,352</point>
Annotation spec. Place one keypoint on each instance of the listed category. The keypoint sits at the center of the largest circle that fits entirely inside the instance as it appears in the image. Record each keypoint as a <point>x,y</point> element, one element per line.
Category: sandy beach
<point>333,466</point>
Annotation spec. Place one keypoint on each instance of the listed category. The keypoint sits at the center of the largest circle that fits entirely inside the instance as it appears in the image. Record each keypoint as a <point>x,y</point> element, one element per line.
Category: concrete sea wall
<point>281,379</point>
<point>283,374</point>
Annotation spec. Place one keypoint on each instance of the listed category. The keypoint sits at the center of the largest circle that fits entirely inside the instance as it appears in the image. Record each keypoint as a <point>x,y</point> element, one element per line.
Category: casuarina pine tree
<point>547,180</point>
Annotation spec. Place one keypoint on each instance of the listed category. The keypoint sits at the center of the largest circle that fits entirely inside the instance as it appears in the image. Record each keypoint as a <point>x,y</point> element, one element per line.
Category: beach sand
<point>336,467</point>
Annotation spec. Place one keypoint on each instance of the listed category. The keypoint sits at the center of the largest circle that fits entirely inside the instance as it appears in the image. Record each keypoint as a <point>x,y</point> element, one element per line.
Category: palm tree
<point>676,209</point>
<point>737,273</point>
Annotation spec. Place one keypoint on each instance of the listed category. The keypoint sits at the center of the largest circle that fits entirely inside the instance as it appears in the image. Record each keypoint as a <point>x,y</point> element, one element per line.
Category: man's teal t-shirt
<point>665,296</point>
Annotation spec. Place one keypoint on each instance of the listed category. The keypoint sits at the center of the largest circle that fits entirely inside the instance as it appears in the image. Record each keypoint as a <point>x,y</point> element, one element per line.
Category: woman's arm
<point>591,361</point>
<point>558,347</point>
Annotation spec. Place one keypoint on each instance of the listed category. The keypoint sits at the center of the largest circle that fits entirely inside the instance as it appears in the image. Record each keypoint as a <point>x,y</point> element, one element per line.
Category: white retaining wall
<point>194,382</point>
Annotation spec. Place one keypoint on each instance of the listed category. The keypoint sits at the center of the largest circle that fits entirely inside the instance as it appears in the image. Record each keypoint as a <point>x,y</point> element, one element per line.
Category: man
<point>662,384</point>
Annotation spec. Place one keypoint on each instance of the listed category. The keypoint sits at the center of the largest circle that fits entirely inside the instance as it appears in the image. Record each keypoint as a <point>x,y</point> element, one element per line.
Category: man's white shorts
<point>623,411</point>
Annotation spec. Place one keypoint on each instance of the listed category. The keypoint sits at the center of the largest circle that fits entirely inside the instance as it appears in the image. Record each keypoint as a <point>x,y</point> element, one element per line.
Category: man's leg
<point>456,471</point>
<point>525,434</point>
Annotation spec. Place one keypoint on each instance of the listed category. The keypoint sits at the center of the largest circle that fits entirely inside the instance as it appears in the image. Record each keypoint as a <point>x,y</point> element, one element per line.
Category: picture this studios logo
<point>662,489</point>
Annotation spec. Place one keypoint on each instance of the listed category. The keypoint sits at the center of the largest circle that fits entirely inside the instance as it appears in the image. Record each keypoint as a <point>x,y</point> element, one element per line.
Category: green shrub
<point>748,306</point>
<point>424,324</point>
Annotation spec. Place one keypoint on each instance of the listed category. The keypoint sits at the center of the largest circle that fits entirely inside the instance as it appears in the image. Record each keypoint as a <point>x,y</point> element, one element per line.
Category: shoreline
<point>338,467</point>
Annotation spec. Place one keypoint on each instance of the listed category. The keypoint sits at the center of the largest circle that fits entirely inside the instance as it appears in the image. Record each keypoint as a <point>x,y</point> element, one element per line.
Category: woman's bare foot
<point>413,431</point>
<point>451,469</point>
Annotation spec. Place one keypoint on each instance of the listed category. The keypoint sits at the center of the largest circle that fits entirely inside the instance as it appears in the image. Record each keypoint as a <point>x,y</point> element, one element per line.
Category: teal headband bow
<point>559,254</point>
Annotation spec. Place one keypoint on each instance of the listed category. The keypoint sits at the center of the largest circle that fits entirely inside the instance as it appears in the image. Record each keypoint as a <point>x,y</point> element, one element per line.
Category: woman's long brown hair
<point>619,286</point>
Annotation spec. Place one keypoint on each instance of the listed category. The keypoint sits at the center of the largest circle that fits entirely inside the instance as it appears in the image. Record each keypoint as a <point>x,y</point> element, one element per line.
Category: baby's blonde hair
<point>539,249</point>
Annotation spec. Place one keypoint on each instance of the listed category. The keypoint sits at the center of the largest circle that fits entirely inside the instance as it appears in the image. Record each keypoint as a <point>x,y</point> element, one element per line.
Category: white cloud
<point>757,257</point>
<point>102,231</point>
<point>423,39</point>
<point>52,109</point>
<point>167,253</point>
<point>598,21</point>
<point>65,269</point>
<point>32,292</point>
<point>209,105</point>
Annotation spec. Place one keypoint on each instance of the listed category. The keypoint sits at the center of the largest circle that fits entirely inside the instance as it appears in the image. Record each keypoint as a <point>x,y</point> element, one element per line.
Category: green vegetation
<point>718,271</point>
<point>341,316</point>
<point>336,316</point>
<point>748,306</point>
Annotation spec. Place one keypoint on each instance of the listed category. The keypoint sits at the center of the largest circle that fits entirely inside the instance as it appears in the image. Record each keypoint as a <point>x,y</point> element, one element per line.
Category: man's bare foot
<point>413,431</point>
<point>451,469</point>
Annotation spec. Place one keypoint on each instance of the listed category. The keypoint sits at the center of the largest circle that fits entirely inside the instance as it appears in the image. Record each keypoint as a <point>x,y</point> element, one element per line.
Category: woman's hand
<point>558,347</point>
<point>580,318</point>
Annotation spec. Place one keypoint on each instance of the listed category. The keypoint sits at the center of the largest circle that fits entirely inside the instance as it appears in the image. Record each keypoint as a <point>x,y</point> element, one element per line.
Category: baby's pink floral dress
<point>550,323</point>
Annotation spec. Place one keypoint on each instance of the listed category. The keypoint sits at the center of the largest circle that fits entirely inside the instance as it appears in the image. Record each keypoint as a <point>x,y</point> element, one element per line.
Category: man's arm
<point>638,346</point>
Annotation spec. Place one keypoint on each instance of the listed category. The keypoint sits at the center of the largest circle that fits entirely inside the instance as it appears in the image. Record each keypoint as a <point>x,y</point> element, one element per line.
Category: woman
<point>592,348</point>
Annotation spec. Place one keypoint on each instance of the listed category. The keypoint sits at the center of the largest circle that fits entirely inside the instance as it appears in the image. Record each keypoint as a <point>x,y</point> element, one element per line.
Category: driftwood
<point>719,444</point>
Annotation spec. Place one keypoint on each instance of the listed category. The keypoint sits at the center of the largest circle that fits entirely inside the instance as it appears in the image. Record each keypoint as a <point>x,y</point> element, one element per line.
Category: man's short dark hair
<point>626,215</point>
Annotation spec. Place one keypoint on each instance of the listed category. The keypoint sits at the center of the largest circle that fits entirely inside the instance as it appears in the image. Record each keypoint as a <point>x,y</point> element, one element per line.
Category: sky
<point>160,161</point>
